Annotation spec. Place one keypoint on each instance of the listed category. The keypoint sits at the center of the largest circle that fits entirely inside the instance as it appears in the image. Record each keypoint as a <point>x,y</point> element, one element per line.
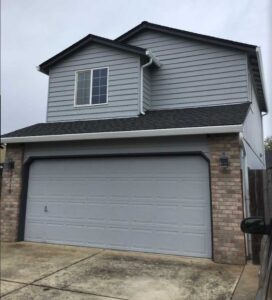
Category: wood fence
<point>260,193</point>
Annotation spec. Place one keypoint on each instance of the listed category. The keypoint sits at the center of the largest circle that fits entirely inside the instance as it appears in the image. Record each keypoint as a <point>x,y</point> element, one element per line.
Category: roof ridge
<point>44,67</point>
<point>154,26</point>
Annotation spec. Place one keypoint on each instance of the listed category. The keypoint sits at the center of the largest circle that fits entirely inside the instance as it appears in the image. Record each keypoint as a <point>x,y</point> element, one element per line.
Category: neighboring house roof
<point>202,117</point>
<point>45,66</point>
<point>253,51</point>
<point>268,158</point>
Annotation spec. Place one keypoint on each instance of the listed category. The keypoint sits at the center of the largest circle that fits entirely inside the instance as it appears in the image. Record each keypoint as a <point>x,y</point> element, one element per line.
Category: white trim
<point>260,63</point>
<point>125,134</point>
<point>245,186</point>
<point>90,104</point>
<point>142,86</point>
<point>152,59</point>
<point>47,99</point>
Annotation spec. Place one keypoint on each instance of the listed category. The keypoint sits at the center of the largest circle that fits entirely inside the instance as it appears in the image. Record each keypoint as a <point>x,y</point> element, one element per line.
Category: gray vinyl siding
<point>146,89</point>
<point>253,134</point>
<point>193,73</point>
<point>123,89</point>
<point>123,146</point>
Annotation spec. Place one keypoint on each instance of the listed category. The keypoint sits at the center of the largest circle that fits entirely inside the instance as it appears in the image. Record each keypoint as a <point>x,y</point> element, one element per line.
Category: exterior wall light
<point>224,161</point>
<point>9,164</point>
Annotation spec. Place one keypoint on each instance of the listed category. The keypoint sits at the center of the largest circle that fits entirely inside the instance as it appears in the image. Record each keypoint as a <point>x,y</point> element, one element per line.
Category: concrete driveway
<point>42,271</point>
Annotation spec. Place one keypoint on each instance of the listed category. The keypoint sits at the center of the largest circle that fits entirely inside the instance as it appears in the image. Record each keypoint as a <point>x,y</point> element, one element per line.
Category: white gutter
<point>152,59</point>
<point>124,134</point>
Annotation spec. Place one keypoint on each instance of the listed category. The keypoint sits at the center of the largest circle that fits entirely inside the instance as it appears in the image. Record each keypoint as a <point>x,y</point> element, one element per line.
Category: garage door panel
<point>166,241</point>
<point>141,188</point>
<point>196,244</point>
<point>36,208</point>
<point>35,230</point>
<point>118,237</point>
<point>193,189</point>
<point>117,212</point>
<point>163,241</point>
<point>165,188</point>
<point>142,239</point>
<point>97,212</point>
<point>75,234</point>
<point>37,187</point>
<point>167,214</point>
<point>142,214</point>
<point>195,216</point>
<point>154,204</point>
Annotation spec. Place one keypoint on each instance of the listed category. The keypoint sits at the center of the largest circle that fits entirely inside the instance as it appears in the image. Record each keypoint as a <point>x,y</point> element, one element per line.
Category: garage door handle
<point>45,208</point>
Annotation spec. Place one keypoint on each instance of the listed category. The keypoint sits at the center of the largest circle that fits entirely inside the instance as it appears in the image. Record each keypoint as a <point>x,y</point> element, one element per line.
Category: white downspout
<point>245,184</point>
<point>142,82</point>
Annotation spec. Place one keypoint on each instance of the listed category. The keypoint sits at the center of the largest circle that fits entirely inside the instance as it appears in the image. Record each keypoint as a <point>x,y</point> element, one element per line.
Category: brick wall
<point>11,194</point>
<point>227,200</point>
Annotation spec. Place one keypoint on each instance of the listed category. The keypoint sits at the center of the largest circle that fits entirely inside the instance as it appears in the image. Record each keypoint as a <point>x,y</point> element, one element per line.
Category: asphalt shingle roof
<point>161,119</point>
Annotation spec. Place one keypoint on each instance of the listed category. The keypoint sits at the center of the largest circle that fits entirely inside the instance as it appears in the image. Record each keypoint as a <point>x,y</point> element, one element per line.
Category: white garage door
<point>153,204</point>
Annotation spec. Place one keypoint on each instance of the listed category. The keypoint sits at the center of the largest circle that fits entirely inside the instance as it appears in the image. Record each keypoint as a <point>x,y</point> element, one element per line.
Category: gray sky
<point>34,30</point>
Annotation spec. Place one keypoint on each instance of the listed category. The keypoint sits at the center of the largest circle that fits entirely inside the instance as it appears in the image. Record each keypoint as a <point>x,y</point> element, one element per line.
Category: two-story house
<point>146,146</point>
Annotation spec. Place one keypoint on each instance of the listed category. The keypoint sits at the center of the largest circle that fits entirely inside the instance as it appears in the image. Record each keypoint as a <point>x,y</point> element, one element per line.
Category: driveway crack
<point>47,275</point>
<point>68,266</point>
<point>77,291</point>
<point>237,282</point>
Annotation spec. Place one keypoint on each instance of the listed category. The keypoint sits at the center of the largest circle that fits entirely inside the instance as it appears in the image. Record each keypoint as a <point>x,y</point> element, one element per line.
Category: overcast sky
<point>34,30</point>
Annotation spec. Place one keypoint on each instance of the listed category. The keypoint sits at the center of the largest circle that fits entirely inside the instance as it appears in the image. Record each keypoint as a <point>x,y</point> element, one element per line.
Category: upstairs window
<point>91,87</point>
<point>83,82</point>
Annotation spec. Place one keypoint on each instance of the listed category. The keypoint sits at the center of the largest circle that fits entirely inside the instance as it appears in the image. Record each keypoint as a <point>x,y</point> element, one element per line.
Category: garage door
<point>153,204</point>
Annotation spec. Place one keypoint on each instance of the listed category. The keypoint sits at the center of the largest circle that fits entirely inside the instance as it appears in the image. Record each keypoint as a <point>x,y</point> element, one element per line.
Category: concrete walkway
<point>42,271</point>
<point>247,286</point>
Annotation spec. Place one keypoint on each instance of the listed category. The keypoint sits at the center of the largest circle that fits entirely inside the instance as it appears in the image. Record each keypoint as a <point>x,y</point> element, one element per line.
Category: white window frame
<point>91,88</point>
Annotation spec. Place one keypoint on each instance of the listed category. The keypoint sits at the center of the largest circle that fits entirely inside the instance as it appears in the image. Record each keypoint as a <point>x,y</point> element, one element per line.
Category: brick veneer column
<point>11,194</point>
<point>227,200</point>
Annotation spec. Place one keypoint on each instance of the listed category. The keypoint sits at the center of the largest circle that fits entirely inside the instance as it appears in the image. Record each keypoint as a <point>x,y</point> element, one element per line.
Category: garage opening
<point>157,204</point>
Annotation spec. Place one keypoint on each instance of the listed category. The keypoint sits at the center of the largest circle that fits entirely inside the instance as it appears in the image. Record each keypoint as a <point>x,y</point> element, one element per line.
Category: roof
<point>199,117</point>
<point>45,66</point>
<point>253,51</point>
<point>185,34</point>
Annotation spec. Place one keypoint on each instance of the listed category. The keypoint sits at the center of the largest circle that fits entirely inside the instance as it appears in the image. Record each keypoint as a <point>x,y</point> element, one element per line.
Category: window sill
<point>90,105</point>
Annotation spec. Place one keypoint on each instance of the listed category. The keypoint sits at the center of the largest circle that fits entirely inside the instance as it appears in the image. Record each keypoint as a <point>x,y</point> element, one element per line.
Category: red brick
<point>227,203</point>
<point>11,195</point>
